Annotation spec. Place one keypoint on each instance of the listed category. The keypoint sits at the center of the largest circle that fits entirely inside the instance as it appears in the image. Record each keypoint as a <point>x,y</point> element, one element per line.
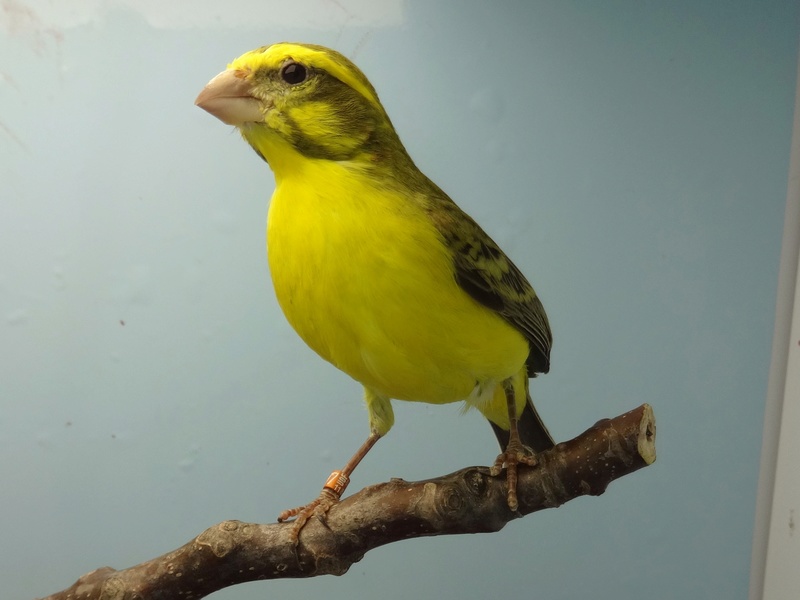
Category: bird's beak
<point>229,98</point>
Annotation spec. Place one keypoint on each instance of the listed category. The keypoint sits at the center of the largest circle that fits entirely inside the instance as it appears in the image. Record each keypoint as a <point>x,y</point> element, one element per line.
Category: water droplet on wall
<point>488,105</point>
<point>59,281</point>
<point>134,286</point>
<point>17,317</point>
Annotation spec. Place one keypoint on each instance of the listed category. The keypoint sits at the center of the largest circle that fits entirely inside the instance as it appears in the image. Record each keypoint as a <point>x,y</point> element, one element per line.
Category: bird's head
<point>294,101</point>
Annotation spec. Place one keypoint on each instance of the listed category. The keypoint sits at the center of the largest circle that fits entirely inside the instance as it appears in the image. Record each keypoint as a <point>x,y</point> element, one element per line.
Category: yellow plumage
<point>371,289</point>
<point>373,265</point>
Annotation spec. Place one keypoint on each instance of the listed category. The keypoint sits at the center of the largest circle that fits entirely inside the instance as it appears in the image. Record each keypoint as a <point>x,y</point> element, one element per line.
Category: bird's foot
<point>319,507</point>
<point>515,453</point>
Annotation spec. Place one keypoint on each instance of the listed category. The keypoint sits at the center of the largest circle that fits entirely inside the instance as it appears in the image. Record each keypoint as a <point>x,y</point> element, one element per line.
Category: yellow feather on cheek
<point>320,121</point>
<point>278,124</point>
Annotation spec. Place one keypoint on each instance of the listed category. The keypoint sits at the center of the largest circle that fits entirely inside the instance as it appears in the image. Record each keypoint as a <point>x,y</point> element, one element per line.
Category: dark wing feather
<point>489,276</point>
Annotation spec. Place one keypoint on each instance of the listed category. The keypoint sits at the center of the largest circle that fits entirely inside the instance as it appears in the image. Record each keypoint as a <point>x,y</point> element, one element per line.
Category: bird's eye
<point>294,73</point>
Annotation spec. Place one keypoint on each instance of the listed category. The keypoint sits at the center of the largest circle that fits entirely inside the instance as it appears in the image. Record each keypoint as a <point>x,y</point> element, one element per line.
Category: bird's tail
<point>532,430</point>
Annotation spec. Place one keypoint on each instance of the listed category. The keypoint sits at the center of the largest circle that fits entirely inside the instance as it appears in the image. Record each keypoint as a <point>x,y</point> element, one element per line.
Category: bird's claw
<point>515,454</point>
<point>318,508</point>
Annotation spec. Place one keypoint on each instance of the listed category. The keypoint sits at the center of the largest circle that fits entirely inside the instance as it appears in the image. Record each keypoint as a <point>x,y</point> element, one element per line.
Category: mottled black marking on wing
<point>488,275</point>
<point>513,298</point>
<point>477,287</point>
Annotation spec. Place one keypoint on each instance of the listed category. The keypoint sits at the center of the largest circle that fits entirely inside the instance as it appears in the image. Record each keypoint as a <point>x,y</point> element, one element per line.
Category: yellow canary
<point>374,266</point>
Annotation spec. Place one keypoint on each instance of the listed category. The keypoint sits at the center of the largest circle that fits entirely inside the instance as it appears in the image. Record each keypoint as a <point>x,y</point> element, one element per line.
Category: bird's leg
<point>515,451</point>
<point>331,492</point>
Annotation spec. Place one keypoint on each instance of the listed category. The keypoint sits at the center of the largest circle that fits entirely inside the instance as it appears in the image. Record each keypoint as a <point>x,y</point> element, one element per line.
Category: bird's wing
<point>488,275</point>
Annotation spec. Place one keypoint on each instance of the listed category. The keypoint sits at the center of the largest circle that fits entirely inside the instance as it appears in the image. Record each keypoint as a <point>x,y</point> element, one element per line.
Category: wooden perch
<point>468,501</point>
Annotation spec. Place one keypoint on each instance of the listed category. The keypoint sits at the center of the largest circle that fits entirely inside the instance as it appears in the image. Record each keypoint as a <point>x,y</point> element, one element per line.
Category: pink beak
<point>228,97</point>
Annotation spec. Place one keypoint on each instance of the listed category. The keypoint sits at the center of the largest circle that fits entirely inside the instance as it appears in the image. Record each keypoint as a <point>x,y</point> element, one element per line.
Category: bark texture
<point>468,501</point>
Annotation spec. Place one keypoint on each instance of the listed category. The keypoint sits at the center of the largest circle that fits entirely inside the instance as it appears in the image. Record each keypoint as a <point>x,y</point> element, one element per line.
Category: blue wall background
<point>630,156</point>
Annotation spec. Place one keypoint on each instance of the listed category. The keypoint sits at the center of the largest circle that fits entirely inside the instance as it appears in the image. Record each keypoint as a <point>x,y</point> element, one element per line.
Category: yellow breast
<point>365,279</point>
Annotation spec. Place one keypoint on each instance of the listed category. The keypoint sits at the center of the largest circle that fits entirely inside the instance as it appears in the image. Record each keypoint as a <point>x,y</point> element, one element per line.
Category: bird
<point>374,266</point>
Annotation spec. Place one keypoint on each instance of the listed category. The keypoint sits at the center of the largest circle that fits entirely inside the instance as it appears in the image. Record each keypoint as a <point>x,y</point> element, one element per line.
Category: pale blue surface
<point>630,157</point>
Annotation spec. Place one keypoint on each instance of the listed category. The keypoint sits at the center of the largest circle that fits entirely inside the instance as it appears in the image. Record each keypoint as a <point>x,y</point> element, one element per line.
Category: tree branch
<point>468,501</point>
